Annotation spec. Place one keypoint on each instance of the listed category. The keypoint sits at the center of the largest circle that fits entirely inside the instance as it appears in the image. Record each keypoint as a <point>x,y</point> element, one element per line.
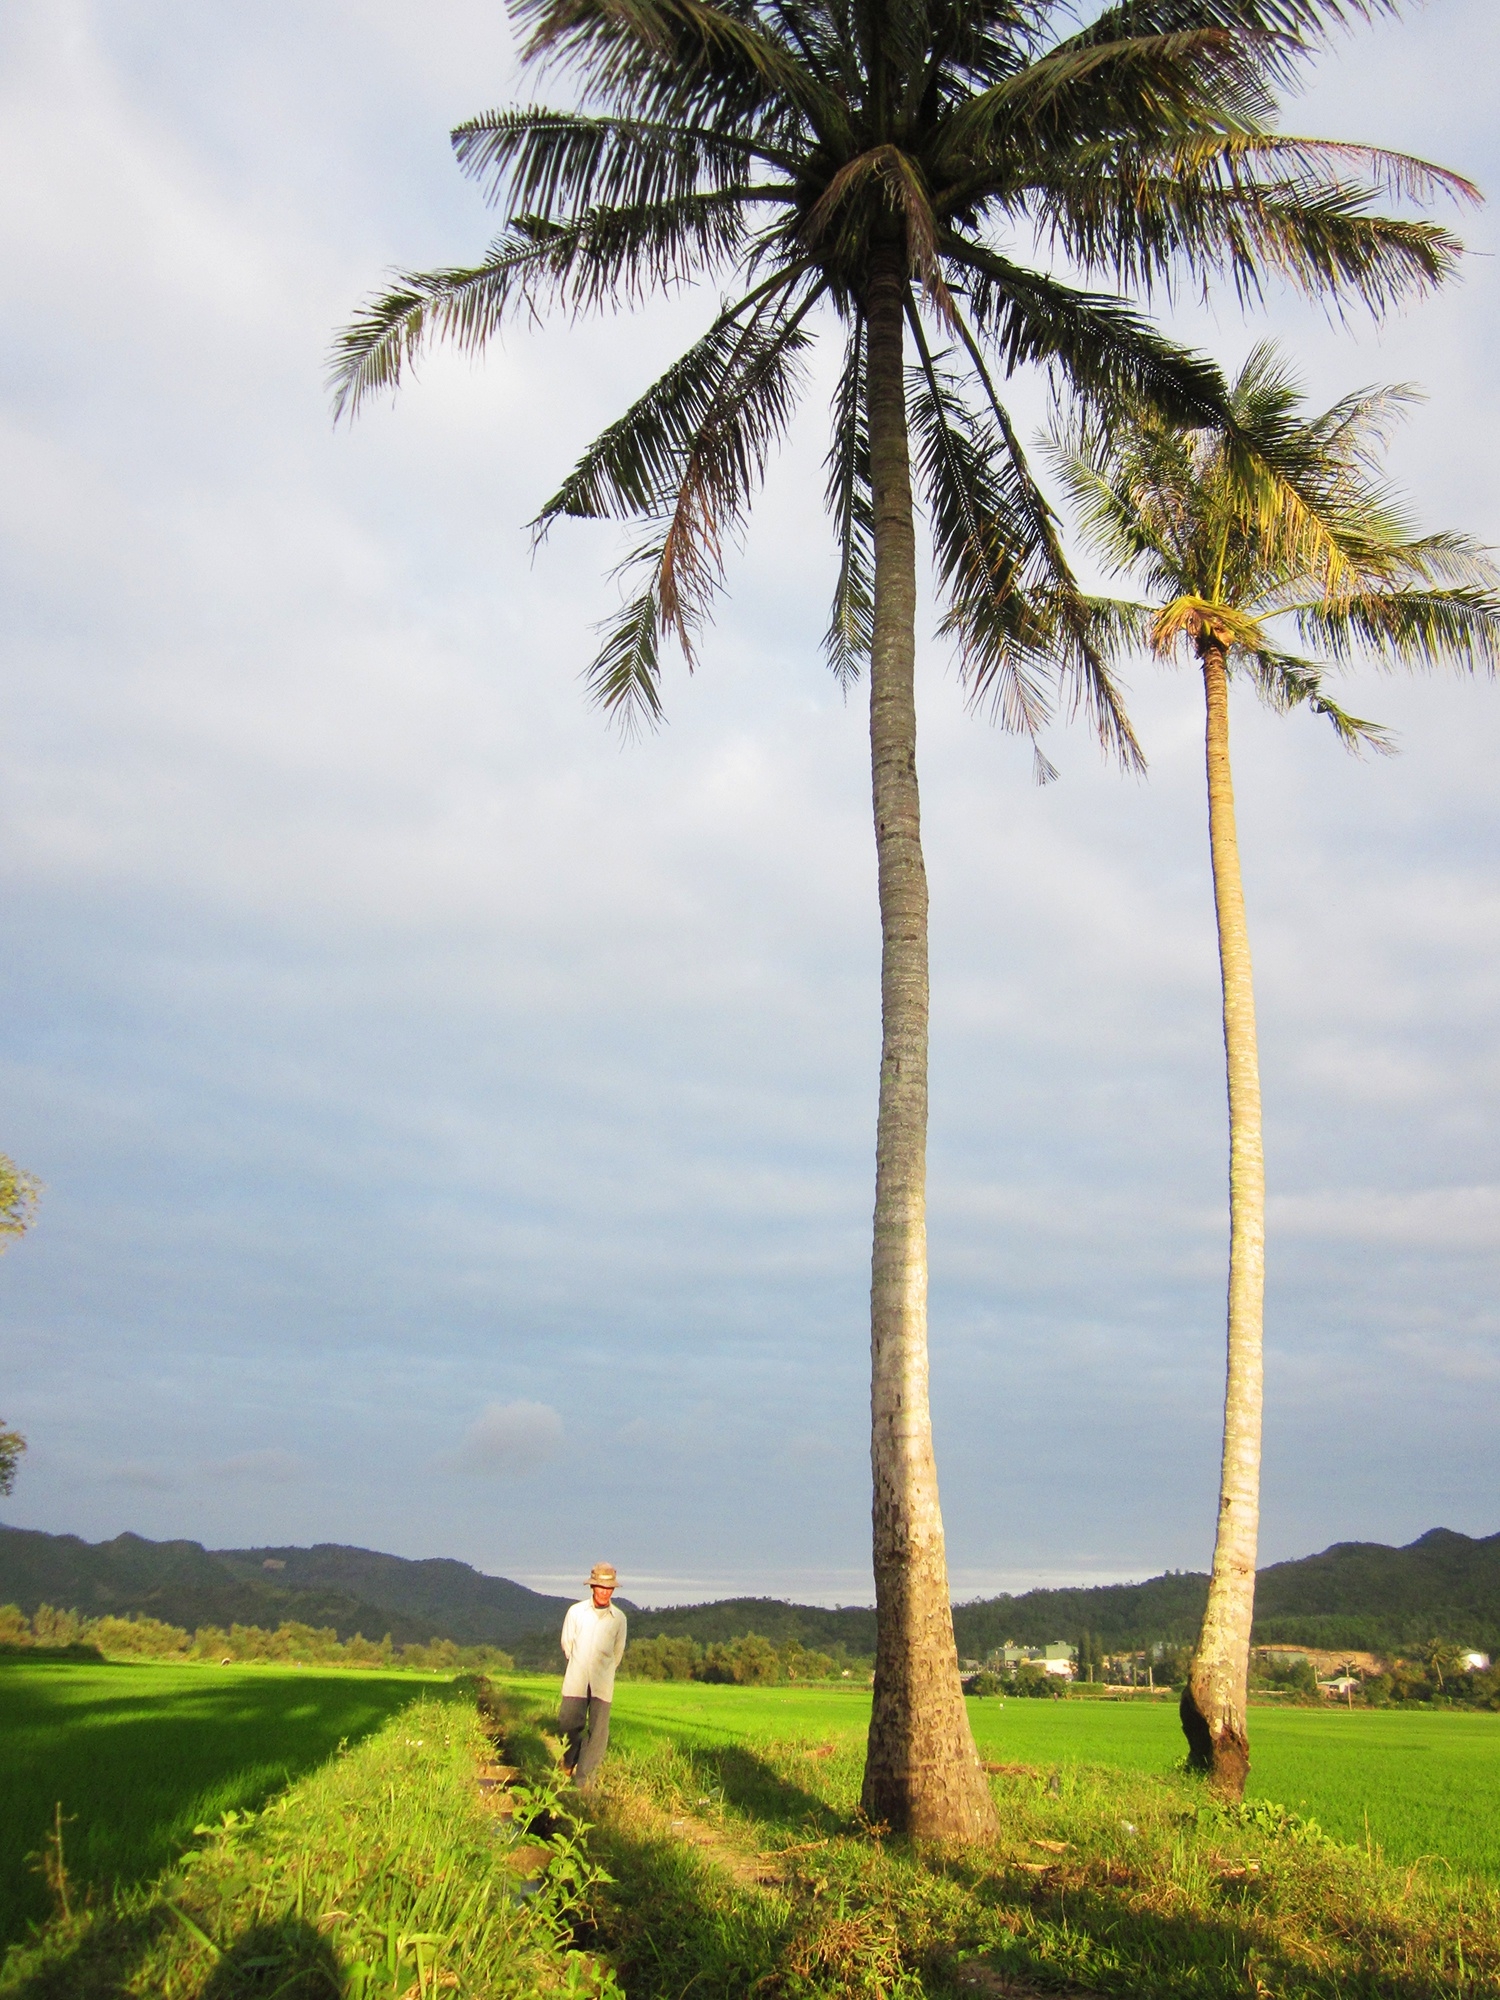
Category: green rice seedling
<point>124,1761</point>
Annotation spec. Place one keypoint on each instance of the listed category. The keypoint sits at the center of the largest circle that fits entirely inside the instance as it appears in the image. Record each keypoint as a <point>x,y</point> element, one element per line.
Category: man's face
<point>603,1592</point>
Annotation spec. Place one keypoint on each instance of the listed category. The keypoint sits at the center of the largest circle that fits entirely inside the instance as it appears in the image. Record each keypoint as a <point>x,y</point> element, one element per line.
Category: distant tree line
<point>749,1661</point>
<point>140,1638</point>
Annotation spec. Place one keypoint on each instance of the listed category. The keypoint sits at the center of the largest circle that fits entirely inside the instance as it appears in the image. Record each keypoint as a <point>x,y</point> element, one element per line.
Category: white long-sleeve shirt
<point>593,1641</point>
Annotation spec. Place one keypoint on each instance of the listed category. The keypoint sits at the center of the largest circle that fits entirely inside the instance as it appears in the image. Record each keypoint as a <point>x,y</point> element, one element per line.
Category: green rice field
<point>1412,1784</point>
<point>137,1755</point>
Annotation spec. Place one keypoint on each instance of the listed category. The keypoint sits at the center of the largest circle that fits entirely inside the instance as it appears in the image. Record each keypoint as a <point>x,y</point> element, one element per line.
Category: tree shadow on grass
<point>1068,1933</point>
<point>101,1958</point>
<point>288,1959</point>
<point>667,1919</point>
<point>134,1758</point>
<point>757,1789</point>
<point>93,1959</point>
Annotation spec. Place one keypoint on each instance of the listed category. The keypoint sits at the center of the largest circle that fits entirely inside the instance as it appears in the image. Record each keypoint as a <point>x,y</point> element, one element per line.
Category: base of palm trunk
<point>1218,1746</point>
<point>937,1790</point>
<point>923,1777</point>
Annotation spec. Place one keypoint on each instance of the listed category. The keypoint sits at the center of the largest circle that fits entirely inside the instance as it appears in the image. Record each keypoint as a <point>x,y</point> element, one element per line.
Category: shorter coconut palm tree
<point>1283,521</point>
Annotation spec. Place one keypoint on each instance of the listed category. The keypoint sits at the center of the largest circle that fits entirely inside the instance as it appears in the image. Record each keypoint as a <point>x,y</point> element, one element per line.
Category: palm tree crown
<point>1285,517</point>
<point>790,144</point>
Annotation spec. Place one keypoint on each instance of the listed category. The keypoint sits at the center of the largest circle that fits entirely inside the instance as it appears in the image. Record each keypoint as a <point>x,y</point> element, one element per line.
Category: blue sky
<point>456,1123</point>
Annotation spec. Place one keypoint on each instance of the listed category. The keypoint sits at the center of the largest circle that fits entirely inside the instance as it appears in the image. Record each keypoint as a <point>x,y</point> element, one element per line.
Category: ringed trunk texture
<point>922,1773</point>
<point>1213,1702</point>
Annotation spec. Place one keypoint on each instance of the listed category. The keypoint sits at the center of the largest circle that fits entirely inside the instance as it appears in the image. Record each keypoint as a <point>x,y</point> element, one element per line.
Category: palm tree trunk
<point>1213,1702</point>
<point>922,1772</point>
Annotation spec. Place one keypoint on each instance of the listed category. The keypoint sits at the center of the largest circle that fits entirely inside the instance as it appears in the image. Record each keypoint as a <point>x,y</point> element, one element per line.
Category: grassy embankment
<point>386,1872</point>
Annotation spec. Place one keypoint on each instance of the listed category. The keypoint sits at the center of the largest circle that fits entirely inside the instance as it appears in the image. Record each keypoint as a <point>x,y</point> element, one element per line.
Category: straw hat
<point>604,1574</point>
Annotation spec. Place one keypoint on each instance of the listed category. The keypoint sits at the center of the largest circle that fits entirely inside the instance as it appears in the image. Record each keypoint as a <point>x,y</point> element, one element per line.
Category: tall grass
<point>384,1874</point>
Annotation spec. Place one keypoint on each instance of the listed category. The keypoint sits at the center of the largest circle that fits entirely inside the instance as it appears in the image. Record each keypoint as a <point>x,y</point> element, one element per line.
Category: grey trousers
<point>585,1752</point>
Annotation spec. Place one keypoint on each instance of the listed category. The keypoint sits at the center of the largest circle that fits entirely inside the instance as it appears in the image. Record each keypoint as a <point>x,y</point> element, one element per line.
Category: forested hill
<point>1356,1594</point>
<point>353,1590</point>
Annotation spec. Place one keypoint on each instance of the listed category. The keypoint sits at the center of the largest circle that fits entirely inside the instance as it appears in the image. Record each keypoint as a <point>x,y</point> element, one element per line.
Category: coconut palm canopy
<point>1286,522</point>
<point>775,148</point>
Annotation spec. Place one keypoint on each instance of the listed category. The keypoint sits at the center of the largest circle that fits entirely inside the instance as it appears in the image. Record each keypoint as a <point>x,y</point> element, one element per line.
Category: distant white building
<point>1474,1663</point>
<point>1058,1658</point>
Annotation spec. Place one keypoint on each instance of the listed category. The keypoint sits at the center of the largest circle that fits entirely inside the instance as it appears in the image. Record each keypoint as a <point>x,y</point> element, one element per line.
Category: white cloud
<point>1455,1219</point>
<point>271,1466</point>
<point>512,1438</point>
<point>146,1478</point>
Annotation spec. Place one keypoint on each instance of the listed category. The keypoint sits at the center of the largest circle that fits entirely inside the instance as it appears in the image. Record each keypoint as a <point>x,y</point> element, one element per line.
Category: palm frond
<point>712,430</point>
<point>851,625</point>
<point>545,163</point>
<point>1168,86</point>
<point>634,467</point>
<point>1210,206</point>
<point>901,191</point>
<point>1101,345</point>
<point>1409,628</point>
<point>1285,682</point>
<point>624,678</point>
<point>1076,657</point>
<point>1194,617</point>
<point>1003,636</point>
<point>605,257</point>
<point>687,59</point>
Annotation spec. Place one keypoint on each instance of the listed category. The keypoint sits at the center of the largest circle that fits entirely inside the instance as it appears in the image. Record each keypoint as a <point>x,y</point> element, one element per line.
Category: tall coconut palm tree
<point>945,181</point>
<point>1283,520</point>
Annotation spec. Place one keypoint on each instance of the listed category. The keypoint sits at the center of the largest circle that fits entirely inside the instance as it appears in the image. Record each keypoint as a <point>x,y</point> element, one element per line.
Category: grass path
<point>1423,1784</point>
<point>138,1755</point>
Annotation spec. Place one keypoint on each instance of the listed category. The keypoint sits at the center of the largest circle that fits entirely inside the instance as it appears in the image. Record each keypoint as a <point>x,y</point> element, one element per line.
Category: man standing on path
<point>593,1638</point>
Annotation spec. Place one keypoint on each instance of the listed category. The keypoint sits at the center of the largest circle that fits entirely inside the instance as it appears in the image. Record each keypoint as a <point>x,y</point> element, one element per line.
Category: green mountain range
<point>353,1590</point>
<point>1355,1594</point>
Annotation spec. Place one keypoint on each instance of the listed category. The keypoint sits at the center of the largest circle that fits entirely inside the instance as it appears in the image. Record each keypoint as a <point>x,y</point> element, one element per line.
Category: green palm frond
<point>678,58</point>
<point>609,256</point>
<point>1003,635</point>
<point>744,364</point>
<point>1165,86</point>
<point>1285,516</point>
<point>1143,218</point>
<point>1101,346</point>
<point>1075,657</point>
<point>551,164</point>
<point>1285,682</point>
<point>693,455</point>
<point>625,675</point>
<point>1409,628</point>
<point>851,623</point>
